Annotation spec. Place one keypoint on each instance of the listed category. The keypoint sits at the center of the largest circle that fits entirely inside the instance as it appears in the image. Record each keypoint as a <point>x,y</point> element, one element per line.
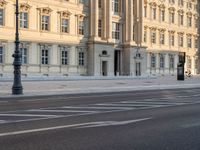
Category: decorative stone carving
<point>162,29</point>
<point>172,9</point>
<point>162,6</point>
<point>24,7</point>
<point>171,31</point>
<point>2,3</point>
<point>196,16</point>
<point>153,4</point>
<point>65,14</point>
<point>181,11</point>
<point>180,33</point>
<point>189,14</point>
<point>189,34</point>
<point>81,16</point>
<point>153,28</point>
<point>45,10</point>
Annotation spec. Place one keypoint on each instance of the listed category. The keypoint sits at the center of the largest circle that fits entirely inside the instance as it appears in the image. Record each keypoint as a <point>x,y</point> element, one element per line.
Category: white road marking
<point>3,101</point>
<point>94,107</point>
<point>61,111</point>
<point>127,105</point>
<point>2,121</point>
<point>196,124</point>
<point>113,123</point>
<point>66,126</point>
<point>28,115</point>
<point>88,96</point>
<point>184,96</point>
<point>151,103</point>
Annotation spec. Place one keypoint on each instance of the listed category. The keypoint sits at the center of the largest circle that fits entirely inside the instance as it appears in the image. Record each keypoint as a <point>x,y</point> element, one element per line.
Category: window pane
<point>1,54</point>
<point>1,17</point>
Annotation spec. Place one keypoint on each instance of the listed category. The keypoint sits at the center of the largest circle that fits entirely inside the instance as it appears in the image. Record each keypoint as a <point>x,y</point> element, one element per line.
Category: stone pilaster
<point>167,63</point>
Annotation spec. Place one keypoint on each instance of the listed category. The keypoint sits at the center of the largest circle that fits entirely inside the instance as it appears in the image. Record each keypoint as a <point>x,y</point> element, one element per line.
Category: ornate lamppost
<point>17,88</point>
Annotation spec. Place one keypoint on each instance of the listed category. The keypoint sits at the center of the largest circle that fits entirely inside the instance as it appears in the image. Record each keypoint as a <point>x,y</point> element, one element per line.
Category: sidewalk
<point>84,85</point>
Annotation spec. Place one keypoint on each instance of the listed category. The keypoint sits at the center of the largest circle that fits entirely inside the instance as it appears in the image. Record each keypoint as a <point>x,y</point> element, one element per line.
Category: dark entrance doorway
<point>117,62</point>
<point>104,68</point>
<point>138,69</point>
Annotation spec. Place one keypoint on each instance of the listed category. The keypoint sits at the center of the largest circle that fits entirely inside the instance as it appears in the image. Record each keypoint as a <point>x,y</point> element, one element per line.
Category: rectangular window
<point>196,23</point>
<point>145,11</point>
<point>81,58</point>
<point>115,30</point>
<point>45,23</point>
<point>196,43</point>
<point>162,15</point>
<point>64,55</point>
<point>196,64</point>
<point>153,61</point>
<point>189,5</point>
<point>180,3</point>
<point>172,1</point>
<point>153,37</point>
<point>81,1</point>
<point>23,20</point>
<point>81,28</point>
<point>171,61</point>
<point>171,17</point>
<point>1,17</point>
<point>145,36</point>
<point>24,52</point>
<point>65,25</point>
<point>181,40</point>
<point>181,19</point>
<point>162,38</point>
<point>162,61</point>
<point>189,63</point>
<point>171,39</point>
<point>1,54</point>
<point>189,20</point>
<point>99,28</point>
<point>44,55</point>
<point>154,13</point>
<point>99,3</point>
<point>115,6</point>
<point>189,42</point>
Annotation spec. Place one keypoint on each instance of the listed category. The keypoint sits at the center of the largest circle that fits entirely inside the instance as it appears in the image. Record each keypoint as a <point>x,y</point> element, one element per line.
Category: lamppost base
<point>17,90</point>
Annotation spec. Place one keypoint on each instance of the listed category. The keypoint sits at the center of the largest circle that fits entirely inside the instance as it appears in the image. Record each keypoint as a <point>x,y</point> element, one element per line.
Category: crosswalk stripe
<point>2,121</point>
<point>27,115</point>
<point>150,103</point>
<point>96,107</point>
<point>127,105</point>
<point>56,110</point>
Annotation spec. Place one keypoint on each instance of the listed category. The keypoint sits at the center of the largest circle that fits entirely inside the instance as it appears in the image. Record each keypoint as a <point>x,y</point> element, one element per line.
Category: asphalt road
<point>140,120</point>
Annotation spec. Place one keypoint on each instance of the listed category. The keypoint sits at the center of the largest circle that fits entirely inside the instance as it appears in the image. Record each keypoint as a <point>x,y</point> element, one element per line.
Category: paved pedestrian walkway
<point>97,85</point>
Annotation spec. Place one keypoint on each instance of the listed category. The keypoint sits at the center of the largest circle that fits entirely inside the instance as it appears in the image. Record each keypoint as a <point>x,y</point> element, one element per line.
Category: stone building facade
<point>100,37</point>
<point>53,36</point>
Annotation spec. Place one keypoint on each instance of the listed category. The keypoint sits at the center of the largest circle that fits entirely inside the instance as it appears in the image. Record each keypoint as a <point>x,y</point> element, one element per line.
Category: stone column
<point>176,60</point>
<point>128,20</point>
<point>104,19</point>
<point>166,63</point>
<point>131,6</point>
<point>193,64</point>
<point>96,14</point>
<point>54,55</point>
<point>158,63</point>
<point>72,56</point>
<point>109,20</point>
<point>148,62</point>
